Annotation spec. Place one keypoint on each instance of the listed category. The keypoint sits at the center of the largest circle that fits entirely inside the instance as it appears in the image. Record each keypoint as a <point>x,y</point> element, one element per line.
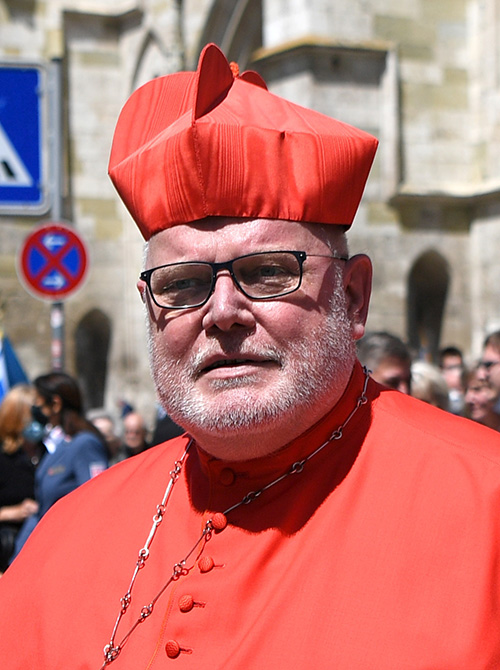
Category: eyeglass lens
<point>259,276</point>
<point>488,364</point>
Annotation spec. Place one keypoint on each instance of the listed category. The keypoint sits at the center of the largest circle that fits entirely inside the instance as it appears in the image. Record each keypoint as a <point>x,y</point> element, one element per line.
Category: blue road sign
<point>23,187</point>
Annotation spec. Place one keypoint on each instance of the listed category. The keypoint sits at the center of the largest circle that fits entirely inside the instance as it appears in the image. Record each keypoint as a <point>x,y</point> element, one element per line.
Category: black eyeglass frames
<point>487,364</point>
<point>259,276</point>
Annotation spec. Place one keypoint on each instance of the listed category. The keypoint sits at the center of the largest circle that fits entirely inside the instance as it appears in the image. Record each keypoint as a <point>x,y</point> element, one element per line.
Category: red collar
<point>225,482</point>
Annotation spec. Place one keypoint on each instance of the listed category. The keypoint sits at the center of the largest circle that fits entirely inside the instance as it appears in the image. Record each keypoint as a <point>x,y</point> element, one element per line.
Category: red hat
<point>213,143</point>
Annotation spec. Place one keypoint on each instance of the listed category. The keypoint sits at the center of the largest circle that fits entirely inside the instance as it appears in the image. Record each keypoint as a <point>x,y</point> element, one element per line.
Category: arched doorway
<point>92,340</point>
<point>428,283</point>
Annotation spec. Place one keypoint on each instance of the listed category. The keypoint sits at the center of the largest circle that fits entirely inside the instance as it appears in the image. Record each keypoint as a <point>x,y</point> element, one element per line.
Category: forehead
<point>132,421</point>
<point>451,360</point>
<point>491,353</point>
<point>103,423</point>
<point>391,363</point>
<point>224,238</point>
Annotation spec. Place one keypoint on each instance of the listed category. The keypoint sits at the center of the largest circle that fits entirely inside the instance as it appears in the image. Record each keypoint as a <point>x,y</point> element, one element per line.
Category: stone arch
<point>236,27</point>
<point>428,283</point>
<point>92,340</point>
<point>150,60</point>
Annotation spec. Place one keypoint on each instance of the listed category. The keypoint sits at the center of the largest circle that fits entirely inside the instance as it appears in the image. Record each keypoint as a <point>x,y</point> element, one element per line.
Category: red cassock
<point>382,554</point>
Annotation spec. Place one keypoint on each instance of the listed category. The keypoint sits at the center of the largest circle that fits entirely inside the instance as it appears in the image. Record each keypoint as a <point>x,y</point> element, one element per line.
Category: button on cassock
<point>227,477</point>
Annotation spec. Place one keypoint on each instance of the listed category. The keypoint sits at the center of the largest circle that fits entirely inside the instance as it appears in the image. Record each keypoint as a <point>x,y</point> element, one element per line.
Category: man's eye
<point>272,271</point>
<point>268,271</point>
<point>184,284</point>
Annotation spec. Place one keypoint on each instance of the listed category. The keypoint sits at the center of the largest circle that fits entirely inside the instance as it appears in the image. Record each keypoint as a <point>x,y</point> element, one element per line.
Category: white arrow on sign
<point>54,281</point>
<point>52,241</point>
<point>12,169</point>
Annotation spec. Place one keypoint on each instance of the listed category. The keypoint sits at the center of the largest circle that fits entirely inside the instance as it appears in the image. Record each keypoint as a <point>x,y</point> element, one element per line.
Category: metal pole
<point>57,328</point>
<point>55,124</point>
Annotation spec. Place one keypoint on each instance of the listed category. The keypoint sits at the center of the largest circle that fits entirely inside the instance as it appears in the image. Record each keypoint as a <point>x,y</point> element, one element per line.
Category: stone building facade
<point>423,76</point>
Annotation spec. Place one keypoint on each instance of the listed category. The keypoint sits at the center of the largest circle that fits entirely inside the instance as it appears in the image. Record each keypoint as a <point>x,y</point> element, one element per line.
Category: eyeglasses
<point>260,276</point>
<point>487,364</point>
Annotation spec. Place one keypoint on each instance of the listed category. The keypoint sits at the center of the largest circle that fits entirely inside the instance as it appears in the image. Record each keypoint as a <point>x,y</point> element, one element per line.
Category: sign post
<point>31,179</point>
<point>52,265</point>
<point>57,319</point>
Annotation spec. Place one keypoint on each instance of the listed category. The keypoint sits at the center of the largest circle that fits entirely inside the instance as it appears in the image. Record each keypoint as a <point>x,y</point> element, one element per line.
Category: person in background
<point>135,435</point>
<point>387,358</point>
<point>106,426</point>
<point>309,517</point>
<point>17,471</point>
<point>451,364</point>
<point>427,384</point>
<point>490,362</point>
<point>79,456</point>
<point>481,398</point>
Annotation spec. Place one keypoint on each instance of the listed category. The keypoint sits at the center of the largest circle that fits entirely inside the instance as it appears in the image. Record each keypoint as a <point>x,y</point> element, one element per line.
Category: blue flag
<point>11,370</point>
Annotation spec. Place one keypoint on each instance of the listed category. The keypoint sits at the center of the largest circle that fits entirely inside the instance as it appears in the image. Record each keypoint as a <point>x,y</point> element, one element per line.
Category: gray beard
<point>324,359</point>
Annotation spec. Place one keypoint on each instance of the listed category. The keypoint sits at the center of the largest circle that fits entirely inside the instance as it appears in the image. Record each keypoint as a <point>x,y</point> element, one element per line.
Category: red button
<point>186,603</point>
<point>173,649</point>
<point>219,521</point>
<point>206,563</point>
<point>227,477</point>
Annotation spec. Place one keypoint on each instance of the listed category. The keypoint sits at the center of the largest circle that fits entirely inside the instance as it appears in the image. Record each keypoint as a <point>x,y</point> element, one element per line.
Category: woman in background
<point>481,399</point>
<point>17,471</point>
<point>79,452</point>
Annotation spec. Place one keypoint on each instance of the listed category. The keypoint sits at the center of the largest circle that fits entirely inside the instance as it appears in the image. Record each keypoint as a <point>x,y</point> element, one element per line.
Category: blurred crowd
<point>471,390</point>
<point>49,444</point>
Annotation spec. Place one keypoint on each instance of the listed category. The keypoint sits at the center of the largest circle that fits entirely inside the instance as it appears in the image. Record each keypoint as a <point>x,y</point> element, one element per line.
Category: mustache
<point>203,358</point>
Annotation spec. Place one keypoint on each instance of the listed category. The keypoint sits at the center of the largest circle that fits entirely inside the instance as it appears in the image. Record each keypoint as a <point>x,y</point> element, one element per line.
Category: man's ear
<point>158,317</point>
<point>358,287</point>
<point>142,288</point>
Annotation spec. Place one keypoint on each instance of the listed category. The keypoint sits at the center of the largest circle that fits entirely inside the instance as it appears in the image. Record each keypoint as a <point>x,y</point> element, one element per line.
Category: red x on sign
<point>53,262</point>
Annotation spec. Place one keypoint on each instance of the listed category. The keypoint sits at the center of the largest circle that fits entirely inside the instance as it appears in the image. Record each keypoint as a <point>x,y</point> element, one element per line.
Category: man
<point>388,359</point>
<point>309,518</point>
<point>135,434</point>
<point>490,360</point>
<point>451,363</point>
<point>481,398</point>
<point>105,424</point>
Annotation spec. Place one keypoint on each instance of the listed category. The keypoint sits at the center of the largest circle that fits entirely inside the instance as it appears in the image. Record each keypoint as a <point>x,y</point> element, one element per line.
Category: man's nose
<point>227,306</point>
